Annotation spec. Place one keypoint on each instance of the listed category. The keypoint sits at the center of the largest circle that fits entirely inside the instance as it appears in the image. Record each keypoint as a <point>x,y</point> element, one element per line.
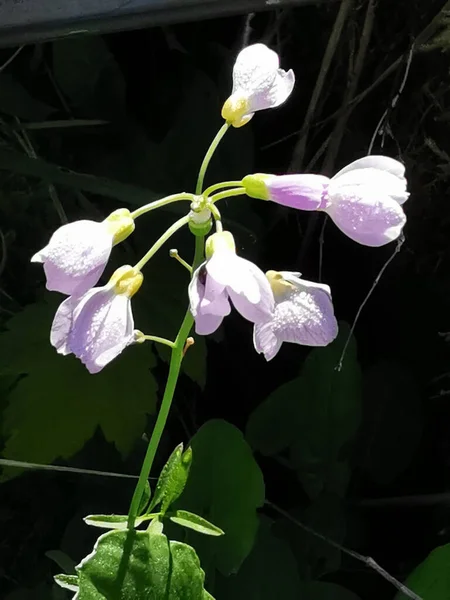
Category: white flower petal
<point>381,163</point>
<point>255,69</point>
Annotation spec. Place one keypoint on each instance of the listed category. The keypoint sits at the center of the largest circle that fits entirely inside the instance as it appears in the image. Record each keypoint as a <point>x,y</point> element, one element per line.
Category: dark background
<point>165,70</point>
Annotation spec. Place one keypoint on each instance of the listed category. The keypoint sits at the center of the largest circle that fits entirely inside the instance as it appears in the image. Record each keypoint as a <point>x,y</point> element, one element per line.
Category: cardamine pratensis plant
<point>96,323</point>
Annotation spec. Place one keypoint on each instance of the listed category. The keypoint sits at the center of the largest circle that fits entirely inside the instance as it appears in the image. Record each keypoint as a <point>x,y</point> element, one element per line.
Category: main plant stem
<point>177,354</point>
<point>174,371</point>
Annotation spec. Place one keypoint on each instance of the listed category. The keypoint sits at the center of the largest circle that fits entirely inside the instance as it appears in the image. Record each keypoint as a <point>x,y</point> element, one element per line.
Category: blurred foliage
<point>125,119</point>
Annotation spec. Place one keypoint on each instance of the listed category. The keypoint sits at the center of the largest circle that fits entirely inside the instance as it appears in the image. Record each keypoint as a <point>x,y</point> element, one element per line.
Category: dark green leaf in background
<point>225,486</point>
<point>392,421</point>
<point>57,405</point>
<point>322,590</point>
<point>315,416</point>
<point>268,573</point>
<point>431,579</point>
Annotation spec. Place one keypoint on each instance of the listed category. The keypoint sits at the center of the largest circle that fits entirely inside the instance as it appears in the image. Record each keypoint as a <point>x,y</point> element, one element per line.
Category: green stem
<point>219,186</point>
<point>216,141</point>
<point>174,371</point>
<point>157,245</point>
<point>158,340</point>
<point>227,194</point>
<point>217,217</point>
<point>158,203</point>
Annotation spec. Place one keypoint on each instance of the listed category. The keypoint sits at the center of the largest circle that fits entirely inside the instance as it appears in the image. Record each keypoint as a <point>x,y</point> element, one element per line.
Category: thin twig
<point>51,188</point>
<point>398,247</point>
<point>26,465</point>
<point>299,150</point>
<point>367,560</point>
<point>394,100</point>
<point>11,58</point>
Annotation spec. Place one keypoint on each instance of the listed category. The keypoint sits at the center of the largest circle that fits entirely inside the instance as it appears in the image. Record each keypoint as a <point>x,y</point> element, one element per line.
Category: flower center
<point>126,281</point>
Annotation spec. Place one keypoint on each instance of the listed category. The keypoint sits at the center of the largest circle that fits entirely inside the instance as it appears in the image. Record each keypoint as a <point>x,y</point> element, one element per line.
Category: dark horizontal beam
<point>29,21</point>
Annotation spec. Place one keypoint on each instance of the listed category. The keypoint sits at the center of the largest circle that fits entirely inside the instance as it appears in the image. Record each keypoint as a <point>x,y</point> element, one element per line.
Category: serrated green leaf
<point>195,522</point>
<point>68,582</point>
<point>226,487</point>
<point>57,405</point>
<point>268,573</point>
<point>431,579</point>
<point>392,421</point>
<point>173,478</point>
<point>141,566</point>
<point>16,101</point>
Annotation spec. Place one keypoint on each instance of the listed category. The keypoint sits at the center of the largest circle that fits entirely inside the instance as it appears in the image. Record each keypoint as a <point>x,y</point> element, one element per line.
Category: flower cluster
<point>364,200</point>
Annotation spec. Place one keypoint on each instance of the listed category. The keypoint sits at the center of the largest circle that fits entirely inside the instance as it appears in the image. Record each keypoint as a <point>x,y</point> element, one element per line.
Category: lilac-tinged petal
<point>366,216</point>
<point>196,290</point>
<point>62,324</point>
<point>255,313</point>
<point>275,94</point>
<point>265,341</point>
<point>381,163</point>
<point>385,183</point>
<point>76,256</point>
<point>303,315</point>
<point>207,324</point>
<point>215,300</point>
<point>305,192</point>
<point>100,324</point>
<point>111,352</point>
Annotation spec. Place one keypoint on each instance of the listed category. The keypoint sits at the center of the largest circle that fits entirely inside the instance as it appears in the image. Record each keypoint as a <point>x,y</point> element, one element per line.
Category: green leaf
<point>226,487</point>
<point>141,566</point>
<point>272,426</point>
<point>16,101</point>
<point>316,557</point>
<point>192,521</point>
<point>269,572</point>
<point>88,74</point>
<point>315,415</point>
<point>110,521</point>
<point>57,405</point>
<point>392,421</point>
<point>321,590</point>
<point>145,500</point>
<point>68,582</point>
<point>431,579</point>
<point>329,414</point>
<point>173,478</point>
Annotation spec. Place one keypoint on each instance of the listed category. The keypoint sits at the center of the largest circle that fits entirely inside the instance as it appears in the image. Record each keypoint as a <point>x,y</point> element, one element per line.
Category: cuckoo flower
<point>303,315</point>
<point>258,83</point>
<point>77,253</point>
<point>98,325</point>
<point>224,277</point>
<point>364,199</point>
